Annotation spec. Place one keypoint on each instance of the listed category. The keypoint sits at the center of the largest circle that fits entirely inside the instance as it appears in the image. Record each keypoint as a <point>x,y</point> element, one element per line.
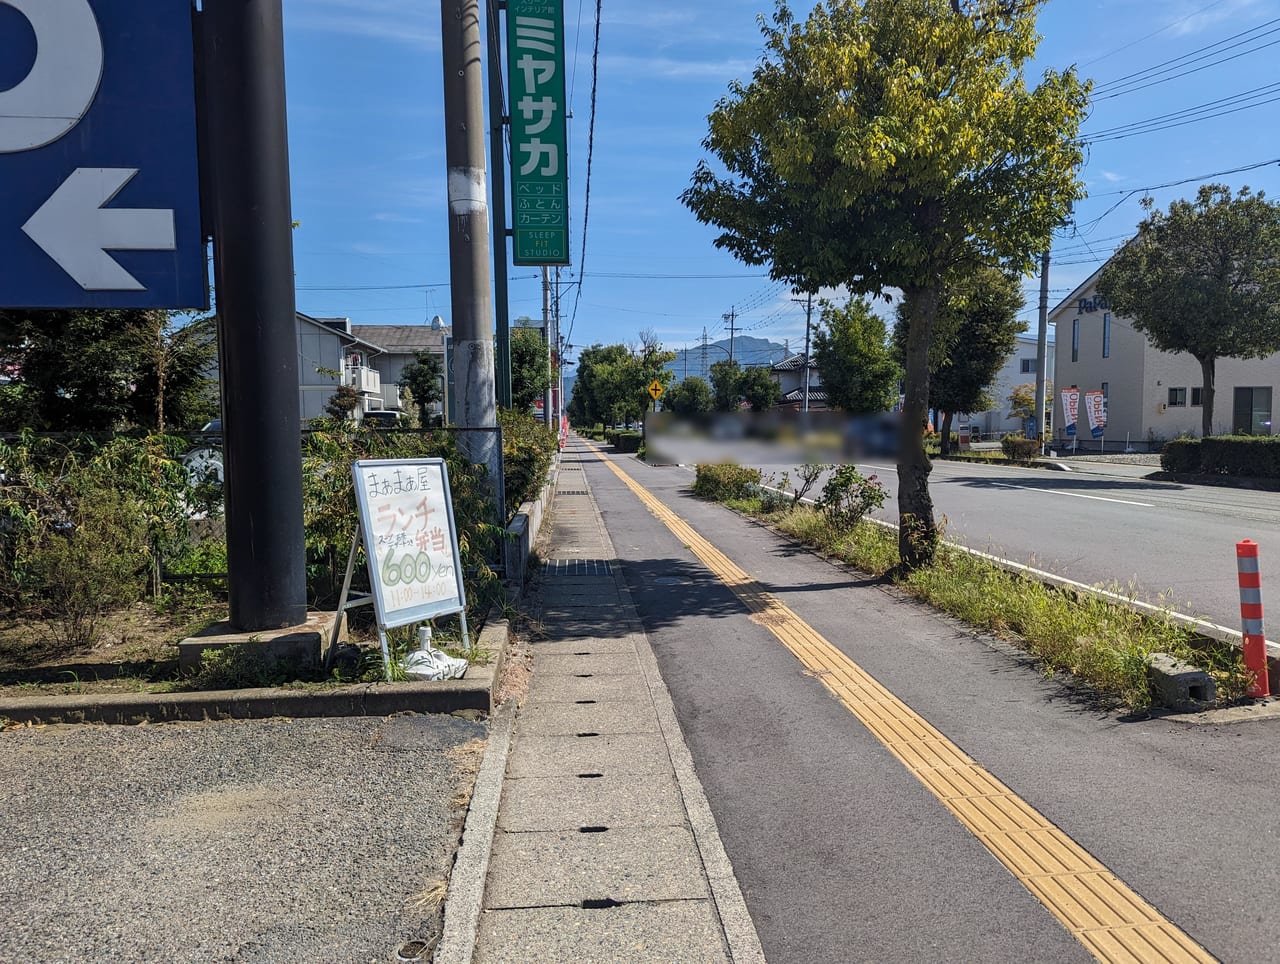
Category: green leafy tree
<point>596,391</point>
<point>859,374</point>
<point>99,370</point>
<point>530,371</point>
<point>1022,401</point>
<point>1203,278</point>
<point>889,144</point>
<point>692,396</point>
<point>758,388</point>
<point>424,378</point>
<point>725,376</point>
<point>977,329</point>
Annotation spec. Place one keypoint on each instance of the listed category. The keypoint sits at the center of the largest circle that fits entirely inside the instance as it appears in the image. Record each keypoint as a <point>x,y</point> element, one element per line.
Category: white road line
<point>1032,488</point>
<point>1077,495</point>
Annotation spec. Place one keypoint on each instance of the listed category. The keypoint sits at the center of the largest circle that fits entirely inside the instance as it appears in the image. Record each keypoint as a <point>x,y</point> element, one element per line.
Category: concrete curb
<point>473,692</point>
<point>471,866</point>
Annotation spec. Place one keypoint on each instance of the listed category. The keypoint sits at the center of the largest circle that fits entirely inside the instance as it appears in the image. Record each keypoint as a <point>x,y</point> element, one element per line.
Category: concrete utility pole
<point>469,233</point>
<point>546,339</point>
<point>1042,349</point>
<point>497,154</point>
<point>257,318</point>
<point>731,317</point>
<point>808,320</point>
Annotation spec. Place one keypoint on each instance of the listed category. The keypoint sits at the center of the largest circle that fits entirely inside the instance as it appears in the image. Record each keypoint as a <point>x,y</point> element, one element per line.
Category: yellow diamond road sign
<point>655,389</point>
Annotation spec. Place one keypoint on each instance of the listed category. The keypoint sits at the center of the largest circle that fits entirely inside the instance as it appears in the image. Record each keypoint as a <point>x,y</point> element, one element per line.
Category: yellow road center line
<point>1101,911</point>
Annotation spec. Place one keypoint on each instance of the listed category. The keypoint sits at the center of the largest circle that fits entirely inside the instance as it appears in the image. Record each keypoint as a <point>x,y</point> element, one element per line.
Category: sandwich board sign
<point>410,541</point>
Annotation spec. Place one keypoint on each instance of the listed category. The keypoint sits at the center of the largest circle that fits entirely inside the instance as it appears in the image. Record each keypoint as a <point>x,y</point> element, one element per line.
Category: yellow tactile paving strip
<point>1103,913</point>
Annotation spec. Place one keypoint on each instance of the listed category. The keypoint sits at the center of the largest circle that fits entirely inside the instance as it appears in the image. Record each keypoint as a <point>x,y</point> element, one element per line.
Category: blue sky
<point>367,154</point>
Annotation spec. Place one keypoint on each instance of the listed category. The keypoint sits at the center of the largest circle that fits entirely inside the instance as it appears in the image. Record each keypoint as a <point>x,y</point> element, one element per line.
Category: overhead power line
<point>1259,96</point>
<point>1173,69</point>
<point>591,144</point>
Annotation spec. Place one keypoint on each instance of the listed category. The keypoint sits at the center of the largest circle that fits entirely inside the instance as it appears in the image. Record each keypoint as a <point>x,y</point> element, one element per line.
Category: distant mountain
<point>747,351</point>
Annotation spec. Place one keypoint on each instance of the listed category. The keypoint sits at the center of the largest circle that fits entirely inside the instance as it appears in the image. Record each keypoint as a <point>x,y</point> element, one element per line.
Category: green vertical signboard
<point>539,160</point>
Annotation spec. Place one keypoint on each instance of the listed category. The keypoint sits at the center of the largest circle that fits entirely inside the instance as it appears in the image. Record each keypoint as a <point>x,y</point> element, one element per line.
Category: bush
<point>626,441</point>
<point>1181,455</point>
<point>94,562</point>
<point>528,449</point>
<point>1243,456</point>
<point>1240,456</point>
<point>1019,447</point>
<point>848,496</point>
<point>720,483</point>
<point>329,508</point>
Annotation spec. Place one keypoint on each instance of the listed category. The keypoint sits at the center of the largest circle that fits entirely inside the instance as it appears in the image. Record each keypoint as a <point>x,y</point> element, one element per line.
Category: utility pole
<point>257,316</point>
<point>546,339</point>
<point>1042,349</point>
<point>469,235</point>
<point>497,154</point>
<point>808,321</point>
<point>731,317</point>
<point>557,371</point>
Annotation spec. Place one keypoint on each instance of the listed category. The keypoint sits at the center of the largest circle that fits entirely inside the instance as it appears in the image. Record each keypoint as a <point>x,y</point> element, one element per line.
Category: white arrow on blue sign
<point>99,172</point>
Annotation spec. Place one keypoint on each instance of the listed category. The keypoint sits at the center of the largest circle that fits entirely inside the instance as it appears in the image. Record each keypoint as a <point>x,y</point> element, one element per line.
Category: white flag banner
<point>1070,409</point>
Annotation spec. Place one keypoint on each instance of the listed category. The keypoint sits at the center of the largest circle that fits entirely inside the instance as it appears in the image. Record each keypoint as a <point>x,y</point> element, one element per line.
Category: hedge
<point>1241,456</point>
<point>1018,447</point>
<point>723,482</point>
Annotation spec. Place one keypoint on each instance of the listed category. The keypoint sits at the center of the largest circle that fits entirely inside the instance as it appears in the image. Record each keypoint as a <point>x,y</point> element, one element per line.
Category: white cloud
<point>409,22</point>
<point>671,68</point>
<point>1111,177</point>
<point>1204,19</point>
<point>390,217</point>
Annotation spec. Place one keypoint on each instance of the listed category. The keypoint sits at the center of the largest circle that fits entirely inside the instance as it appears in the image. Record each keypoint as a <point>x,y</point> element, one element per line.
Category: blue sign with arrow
<point>99,170</point>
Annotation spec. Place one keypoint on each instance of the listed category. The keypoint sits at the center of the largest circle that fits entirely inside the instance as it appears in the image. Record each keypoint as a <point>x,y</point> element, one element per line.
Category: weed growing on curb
<point>1100,643</point>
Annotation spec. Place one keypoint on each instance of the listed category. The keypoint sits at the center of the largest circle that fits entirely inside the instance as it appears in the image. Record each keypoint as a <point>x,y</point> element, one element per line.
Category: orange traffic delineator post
<point>1255,643</point>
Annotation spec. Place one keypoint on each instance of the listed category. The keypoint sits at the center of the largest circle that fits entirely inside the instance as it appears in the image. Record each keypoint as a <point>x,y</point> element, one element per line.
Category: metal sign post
<point>411,544</point>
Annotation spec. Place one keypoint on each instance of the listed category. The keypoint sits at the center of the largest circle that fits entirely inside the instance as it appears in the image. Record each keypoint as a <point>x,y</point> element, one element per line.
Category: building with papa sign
<point>1152,395</point>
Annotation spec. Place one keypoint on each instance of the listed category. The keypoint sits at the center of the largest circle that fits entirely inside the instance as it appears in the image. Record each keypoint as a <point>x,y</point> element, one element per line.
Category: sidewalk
<point>604,846</point>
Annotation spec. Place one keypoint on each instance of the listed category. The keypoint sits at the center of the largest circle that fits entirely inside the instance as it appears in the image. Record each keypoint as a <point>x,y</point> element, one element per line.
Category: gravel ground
<point>279,840</point>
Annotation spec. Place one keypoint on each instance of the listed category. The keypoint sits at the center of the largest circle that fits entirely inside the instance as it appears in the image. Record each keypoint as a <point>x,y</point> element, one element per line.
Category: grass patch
<point>1102,644</point>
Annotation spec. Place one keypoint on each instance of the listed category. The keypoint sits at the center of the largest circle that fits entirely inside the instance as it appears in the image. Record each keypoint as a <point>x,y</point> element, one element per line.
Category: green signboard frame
<point>539,140</point>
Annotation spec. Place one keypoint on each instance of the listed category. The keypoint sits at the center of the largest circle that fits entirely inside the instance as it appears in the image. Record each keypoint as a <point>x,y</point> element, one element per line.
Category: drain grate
<point>571,492</point>
<point>578,567</point>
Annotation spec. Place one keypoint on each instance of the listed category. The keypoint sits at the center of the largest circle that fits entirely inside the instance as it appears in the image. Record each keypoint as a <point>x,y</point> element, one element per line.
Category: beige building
<point>1151,395</point>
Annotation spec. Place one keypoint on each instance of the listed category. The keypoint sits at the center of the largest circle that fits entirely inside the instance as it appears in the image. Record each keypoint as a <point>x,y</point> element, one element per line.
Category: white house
<point>1019,369</point>
<point>789,374</point>
<point>1151,395</point>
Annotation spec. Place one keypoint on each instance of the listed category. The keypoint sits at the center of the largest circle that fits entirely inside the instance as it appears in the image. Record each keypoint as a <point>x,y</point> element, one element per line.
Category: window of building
<point>1177,397</point>
<point>1106,391</point>
<point>1106,334</point>
<point>1075,340</point>
<point>1028,366</point>
<point>1251,413</point>
<point>1197,396</point>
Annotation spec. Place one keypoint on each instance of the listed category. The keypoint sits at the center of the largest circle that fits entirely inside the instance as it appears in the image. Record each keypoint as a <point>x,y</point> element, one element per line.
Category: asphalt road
<point>1167,543</point>
<point>1165,539</point>
<point>841,854</point>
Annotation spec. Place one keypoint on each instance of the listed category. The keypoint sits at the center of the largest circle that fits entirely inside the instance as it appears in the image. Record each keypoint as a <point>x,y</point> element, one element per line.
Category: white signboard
<point>406,515</point>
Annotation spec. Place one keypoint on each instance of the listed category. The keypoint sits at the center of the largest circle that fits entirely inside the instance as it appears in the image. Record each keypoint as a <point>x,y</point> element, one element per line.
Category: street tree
<point>692,396</point>
<point>1022,401</point>
<point>592,402</point>
<point>859,374</point>
<point>105,369</point>
<point>424,378</point>
<point>530,368</point>
<point>725,376</point>
<point>976,330</point>
<point>890,144</point>
<point>758,388</point>
<point>1203,278</point>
